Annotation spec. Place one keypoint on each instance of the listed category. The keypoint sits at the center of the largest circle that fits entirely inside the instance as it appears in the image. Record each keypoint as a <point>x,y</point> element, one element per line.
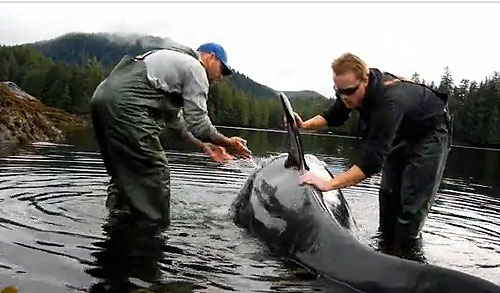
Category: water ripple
<point>53,211</point>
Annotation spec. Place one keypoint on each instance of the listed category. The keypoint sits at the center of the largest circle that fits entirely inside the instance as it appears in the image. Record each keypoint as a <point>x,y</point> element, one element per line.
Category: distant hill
<point>76,48</point>
<point>305,95</point>
<point>251,87</point>
<point>108,49</point>
<point>64,72</point>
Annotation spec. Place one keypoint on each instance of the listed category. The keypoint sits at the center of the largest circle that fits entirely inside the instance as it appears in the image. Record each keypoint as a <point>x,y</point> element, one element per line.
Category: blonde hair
<point>349,62</point>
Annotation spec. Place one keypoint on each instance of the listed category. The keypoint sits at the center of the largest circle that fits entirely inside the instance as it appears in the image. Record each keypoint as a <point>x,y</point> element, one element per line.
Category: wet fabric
<point>126,123</point>
<point>128,115</point>
<point>403,110</point>
<point>181,76</point>
<point>131,250</point>
<point>411,177</point>
<point>142,97</point>
<point>408,134</point>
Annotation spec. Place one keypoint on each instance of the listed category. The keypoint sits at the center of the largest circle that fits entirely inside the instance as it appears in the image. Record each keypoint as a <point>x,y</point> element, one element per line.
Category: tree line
<point>475,105</point>
<point>70,87</point>
<point>65,86</point>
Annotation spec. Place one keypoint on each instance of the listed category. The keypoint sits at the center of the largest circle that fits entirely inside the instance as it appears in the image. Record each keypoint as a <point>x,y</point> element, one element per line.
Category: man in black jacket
<point>408,134</point>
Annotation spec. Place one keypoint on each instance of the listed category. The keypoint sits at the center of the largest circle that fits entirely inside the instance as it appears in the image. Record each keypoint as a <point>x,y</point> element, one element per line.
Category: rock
<point>24,119</point>
<point>9,289</point>
<point>16,90</point>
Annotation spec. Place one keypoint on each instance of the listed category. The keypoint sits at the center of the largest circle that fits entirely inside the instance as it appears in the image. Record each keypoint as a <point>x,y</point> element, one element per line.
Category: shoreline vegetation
<point>331,134</point>
<point>24,119</point>
<point>62,74</point>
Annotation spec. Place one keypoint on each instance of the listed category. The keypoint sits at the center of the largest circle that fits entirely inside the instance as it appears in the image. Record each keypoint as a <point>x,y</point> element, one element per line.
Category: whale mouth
<point>295,153</point>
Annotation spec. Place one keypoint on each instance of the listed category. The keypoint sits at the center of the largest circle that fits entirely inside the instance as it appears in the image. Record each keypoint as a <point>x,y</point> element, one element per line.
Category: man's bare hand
<point>217,153</point>
<point>298,120</point>
<point>315,180</point>
<point>237,146</point>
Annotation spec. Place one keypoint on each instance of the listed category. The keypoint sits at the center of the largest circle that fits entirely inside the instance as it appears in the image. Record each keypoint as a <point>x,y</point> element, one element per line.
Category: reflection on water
<point>131,257</point>
<point>55,235</point>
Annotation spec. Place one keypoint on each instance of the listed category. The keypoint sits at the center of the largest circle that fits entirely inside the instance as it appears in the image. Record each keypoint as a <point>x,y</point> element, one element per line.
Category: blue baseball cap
<point>219,52</point>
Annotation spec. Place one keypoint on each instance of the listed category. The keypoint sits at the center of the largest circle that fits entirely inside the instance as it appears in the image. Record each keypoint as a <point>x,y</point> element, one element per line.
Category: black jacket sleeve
<point>384,122</point>
<point>337,114</point>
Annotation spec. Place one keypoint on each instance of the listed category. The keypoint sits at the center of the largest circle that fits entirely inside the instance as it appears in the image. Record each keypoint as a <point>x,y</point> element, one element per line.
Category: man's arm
<point>179,126</point>
<point>350,177</point>
<point>336,115</point>
<point>195,113</point>
<point>317,122</point>
<point>215,152</point>
<point>383,127</point>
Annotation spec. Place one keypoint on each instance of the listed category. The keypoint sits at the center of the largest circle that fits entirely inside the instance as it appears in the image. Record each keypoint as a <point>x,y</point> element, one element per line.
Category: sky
<point>290,45</point>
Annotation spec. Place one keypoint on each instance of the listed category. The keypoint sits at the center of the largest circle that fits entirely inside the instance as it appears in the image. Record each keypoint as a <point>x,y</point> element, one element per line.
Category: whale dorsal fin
<point>295,152</point>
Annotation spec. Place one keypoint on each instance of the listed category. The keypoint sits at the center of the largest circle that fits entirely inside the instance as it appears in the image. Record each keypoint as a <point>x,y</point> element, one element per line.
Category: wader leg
<point>425,163</point>
<point>390,192</point>
<point>127,127</point>
<point>133,155</point>
<point>144,175</point>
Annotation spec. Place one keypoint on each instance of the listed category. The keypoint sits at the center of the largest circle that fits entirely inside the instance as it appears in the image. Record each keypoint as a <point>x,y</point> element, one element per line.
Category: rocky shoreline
<point>24,119</point>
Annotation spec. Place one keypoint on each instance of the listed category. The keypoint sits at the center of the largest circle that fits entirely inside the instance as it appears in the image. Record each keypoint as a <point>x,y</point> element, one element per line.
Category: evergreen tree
<point>493,136</point>
<point>33,82</point>
<point>446,85</point>
<point>415,77</point>
<point>236,101</point>
<point>94,74</point>
<point>65,100</point>
<point>4,70</point>
<point>53,95</point>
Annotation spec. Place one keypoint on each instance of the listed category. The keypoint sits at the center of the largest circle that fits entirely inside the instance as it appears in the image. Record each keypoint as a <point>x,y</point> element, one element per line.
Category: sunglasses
<point>346,91</point>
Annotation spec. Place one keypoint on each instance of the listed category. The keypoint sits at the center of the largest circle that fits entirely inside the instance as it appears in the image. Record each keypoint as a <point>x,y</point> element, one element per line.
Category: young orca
<point>316,229</point>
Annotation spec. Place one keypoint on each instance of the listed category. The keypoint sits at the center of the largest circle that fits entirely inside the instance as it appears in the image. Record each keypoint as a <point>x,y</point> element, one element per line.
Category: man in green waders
<point>131,106</point>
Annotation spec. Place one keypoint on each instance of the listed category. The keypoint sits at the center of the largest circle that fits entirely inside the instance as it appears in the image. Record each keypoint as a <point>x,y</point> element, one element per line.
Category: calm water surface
<point>53,235</point>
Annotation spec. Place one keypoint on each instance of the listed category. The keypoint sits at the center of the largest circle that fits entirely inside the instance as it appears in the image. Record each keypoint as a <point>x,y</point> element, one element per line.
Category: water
<point>54,237</point>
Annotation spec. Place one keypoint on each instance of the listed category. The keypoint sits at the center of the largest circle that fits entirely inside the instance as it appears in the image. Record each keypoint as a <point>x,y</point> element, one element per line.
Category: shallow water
<point>53,235</point>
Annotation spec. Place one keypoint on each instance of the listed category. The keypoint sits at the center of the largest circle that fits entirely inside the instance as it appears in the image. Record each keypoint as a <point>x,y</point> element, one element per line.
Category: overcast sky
<point>289,46</point>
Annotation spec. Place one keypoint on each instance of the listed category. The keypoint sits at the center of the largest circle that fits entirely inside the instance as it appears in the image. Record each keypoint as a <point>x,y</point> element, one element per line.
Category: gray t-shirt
<point>175,72</point>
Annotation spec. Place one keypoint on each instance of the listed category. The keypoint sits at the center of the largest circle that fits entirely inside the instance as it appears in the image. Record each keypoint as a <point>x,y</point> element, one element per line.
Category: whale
<point>317,231</point>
